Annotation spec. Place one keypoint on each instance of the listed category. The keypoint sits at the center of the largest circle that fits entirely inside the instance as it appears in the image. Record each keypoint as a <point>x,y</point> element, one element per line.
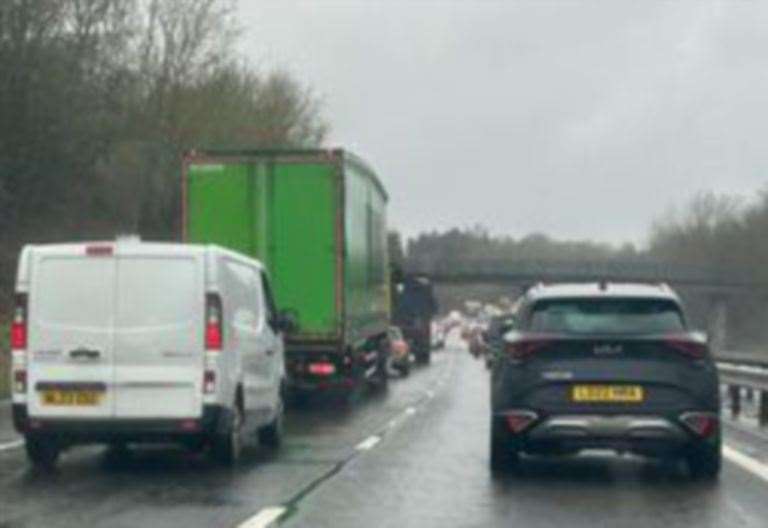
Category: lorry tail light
<point>214,336</point>
<point>521,350</point>
<point>321,369</point>
<point>687,347</point>
<point>20,381</point>
<point>702,424</point>
<point>19,323</point>
<point>519,421</point>
<point>209,382</point>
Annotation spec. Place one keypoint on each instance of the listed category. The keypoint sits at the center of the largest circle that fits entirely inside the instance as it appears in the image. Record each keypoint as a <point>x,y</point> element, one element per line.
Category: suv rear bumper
<point>157,430</point>
<point>617,432</point>
<point>642,434</point>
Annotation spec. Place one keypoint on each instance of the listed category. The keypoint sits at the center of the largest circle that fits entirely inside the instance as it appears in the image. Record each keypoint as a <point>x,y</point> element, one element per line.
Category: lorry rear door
<point>158,334</point>
<point>304,247</point>
<point>71,306</point>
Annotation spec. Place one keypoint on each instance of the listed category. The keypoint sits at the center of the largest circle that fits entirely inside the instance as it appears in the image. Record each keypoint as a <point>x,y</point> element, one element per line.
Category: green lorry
<point>317,220</point>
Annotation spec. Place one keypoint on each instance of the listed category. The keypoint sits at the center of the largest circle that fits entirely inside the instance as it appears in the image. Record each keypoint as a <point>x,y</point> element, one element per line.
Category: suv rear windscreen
<point>606,316</point>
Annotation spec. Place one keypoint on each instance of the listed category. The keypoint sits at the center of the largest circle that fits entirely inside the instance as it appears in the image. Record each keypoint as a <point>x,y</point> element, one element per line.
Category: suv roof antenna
<point>603,285</point>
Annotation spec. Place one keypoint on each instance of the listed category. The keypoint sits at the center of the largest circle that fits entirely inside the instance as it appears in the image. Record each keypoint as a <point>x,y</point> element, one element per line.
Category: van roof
<point>126,246</point>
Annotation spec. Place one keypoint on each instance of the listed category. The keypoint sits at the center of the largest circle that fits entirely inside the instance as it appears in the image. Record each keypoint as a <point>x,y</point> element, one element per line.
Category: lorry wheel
<point>424,357</point>
<point>42,452</point>
<point>228,444</point>
<point>271,435</point>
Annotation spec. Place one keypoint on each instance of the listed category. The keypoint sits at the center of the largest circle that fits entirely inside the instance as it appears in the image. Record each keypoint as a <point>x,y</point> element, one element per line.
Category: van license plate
<point>71,398</point>
<point>607,393</point>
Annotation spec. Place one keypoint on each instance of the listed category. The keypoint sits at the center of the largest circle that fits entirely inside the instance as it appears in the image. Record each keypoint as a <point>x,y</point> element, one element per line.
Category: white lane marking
<point>11,445</point>
<point>368,443</point>
<point>745,461</point>
<point>264,518</point>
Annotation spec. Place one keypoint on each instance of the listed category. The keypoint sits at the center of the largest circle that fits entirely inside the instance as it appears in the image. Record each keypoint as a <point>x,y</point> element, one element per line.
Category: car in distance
<point>130,342</point>
<point>605,366</point>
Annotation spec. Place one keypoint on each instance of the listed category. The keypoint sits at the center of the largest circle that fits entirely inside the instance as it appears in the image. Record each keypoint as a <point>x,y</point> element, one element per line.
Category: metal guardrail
<point>745,381</point>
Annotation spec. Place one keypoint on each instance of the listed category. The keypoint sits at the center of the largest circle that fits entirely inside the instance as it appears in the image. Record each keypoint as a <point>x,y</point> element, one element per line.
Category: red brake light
<point>98,251</point>
<point>214,336</point>
<point>687,347</point>
<point>519,421</point>
<point>520,350</point>
<point>19,323</point>
<point>321,369</point>
<point>703,424</point>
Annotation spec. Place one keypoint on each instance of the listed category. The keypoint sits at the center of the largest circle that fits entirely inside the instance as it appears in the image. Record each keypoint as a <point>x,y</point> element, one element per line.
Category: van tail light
<point>519,421</point>
<point>19,323</point>
<point>522,350</point>
<point>20,381</point>
<point>214,336</point>
<point>690,348</point>
<point>701,424</point>
<point>209,382</point>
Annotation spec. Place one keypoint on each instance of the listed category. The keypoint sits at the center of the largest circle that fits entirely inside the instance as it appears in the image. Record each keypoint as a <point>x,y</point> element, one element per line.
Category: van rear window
<point>606,316</point>
<point>73,291</point>
<point>157,291</point>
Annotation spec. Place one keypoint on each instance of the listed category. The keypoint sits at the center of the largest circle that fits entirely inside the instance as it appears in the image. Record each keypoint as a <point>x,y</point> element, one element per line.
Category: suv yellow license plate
<point>71,398</point>
<point>607,393</point>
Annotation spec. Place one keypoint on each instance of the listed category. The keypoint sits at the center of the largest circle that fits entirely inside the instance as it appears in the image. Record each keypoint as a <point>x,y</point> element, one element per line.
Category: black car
<point>596,366</point>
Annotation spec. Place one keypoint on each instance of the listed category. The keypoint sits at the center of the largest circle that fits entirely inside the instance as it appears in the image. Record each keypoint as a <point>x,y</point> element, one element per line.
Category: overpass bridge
<point>714,288</point>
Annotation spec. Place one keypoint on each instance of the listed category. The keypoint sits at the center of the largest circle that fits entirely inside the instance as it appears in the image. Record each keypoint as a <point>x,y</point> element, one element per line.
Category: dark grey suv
<point>605,366</point>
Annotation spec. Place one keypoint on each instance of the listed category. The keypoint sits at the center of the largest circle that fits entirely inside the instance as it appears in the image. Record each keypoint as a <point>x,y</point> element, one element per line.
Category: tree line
<point>100,98</point>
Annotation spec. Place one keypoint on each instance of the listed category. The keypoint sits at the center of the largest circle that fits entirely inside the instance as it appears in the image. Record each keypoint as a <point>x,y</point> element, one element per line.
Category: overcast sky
<point>577,119</point>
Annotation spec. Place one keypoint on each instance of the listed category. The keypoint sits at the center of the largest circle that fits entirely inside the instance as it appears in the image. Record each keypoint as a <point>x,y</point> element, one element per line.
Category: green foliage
<point>476,242</point>
<point>100,98</point>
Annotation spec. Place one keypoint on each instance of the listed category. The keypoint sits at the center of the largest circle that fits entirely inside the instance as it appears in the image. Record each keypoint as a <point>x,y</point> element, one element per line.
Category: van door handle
<point>84,353</point>
<point>270,352</point>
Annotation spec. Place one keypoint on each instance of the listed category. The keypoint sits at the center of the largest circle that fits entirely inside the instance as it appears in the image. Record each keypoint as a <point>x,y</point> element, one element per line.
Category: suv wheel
<point>503,455</point>
<point>705,462</point>
<point>42,452</point>
<point>227,445</point>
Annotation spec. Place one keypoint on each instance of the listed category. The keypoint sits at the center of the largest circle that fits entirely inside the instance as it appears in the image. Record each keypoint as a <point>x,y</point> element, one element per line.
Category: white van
<point>126,342</point>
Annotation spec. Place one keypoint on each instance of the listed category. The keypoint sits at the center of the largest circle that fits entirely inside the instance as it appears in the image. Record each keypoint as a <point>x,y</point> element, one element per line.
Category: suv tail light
<point>687,347</point>
<point>519,421</point>
<point>521,350</point>
<point>702,424</point>
<point>214,335</point>
<point>19,323</point>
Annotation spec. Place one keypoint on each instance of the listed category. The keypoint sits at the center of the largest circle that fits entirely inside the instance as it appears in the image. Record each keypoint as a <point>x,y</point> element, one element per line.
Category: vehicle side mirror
<point>286,321</point>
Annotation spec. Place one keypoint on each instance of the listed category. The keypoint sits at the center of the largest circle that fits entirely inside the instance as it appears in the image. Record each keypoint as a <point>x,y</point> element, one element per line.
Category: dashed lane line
<point>368,443</point>
<point>11,445</point>
<point>265,518</point>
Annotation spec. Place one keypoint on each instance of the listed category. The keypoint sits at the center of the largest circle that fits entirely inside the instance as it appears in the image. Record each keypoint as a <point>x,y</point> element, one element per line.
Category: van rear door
<point>71,306</point>
<point>158,336</point>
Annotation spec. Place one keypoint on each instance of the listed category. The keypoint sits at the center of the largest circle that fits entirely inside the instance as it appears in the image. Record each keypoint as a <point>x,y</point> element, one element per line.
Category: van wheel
<point>228,445</point>
<point>271,435</point>
<point>42,452</point>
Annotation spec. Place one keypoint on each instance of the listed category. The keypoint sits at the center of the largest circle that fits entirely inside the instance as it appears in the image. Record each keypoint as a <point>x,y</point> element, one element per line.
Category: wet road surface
<point>415,456</point>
